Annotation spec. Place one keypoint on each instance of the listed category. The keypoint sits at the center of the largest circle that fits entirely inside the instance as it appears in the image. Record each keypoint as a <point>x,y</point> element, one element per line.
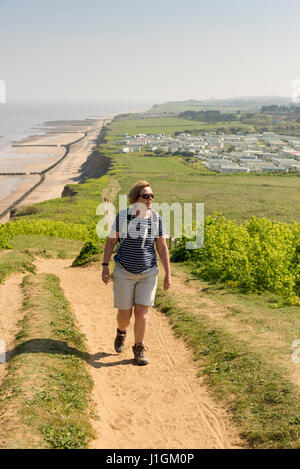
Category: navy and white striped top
<point>137,253</point>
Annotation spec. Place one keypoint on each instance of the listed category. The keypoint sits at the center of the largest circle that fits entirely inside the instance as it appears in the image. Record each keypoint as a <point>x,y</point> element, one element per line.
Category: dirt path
<point>10,313</point>
<point>163,405</point>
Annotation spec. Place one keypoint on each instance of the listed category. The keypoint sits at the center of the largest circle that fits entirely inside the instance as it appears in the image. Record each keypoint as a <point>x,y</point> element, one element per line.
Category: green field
<point>170,125</point>
<point>173,179</point>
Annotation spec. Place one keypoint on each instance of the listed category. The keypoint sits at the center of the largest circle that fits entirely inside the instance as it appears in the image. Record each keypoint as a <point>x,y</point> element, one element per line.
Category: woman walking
<point>135,275</point>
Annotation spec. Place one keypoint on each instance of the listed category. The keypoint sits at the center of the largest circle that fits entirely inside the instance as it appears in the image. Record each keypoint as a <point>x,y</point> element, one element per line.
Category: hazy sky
<point>148,50</point>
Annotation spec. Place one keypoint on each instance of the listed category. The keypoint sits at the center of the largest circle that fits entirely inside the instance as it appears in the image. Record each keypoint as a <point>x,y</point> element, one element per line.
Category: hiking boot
<point>138,350</point>
<point>119,341</point>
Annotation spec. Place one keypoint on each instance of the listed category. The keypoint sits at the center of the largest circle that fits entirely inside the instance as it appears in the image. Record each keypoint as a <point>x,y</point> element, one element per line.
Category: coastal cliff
<point>97,163</point>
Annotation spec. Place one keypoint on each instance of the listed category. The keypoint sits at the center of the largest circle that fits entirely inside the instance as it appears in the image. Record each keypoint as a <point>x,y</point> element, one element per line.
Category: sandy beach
<point>36,153</point>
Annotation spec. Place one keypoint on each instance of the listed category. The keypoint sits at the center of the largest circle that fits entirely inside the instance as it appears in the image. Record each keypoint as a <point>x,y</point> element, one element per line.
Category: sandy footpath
<point>64,172</point>
<point>10,308</point>
<point>162,405</point>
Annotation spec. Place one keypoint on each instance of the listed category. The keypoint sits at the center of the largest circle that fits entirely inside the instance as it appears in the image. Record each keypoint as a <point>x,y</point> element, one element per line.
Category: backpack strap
<point>120,239</point>
<point>155,222</point>
<point>129,218</point>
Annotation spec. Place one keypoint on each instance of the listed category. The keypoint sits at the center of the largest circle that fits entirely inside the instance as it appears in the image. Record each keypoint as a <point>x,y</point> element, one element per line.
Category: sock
<point>121,332</point>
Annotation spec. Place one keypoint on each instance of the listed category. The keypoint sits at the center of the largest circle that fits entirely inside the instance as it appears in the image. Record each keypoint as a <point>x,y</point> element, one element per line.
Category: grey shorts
<point>130,289</point>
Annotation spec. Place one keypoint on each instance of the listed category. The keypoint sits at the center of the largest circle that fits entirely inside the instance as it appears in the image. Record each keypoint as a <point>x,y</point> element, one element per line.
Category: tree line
<point>208,116</point>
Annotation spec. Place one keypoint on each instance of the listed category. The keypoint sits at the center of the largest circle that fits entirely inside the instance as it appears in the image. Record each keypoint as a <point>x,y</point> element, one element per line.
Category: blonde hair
<point>136,190</point>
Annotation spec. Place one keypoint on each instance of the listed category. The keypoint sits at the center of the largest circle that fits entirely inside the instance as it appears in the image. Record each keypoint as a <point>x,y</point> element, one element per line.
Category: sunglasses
<point>147,196</point>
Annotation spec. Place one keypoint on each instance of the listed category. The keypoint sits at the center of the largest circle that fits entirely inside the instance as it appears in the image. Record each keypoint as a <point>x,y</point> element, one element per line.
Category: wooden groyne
<point>7,173</point>
<point>36,145</point>
<point>20,199</point>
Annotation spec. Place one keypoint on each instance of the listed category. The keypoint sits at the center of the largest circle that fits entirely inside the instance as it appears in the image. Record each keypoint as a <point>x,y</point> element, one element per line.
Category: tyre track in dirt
<point>162,405</point>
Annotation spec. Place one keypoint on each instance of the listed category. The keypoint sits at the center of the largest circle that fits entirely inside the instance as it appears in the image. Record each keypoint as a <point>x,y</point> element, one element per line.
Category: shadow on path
<point>58,347</point>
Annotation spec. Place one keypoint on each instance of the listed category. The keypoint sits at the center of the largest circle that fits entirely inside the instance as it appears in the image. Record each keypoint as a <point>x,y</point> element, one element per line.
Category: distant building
<point>265,169</point>
<point>234,169</point>
<point>124,150</point>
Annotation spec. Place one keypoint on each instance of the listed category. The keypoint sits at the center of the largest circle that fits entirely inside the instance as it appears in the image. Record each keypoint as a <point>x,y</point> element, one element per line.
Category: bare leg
<point>141,320</point>
<point>123,318</point>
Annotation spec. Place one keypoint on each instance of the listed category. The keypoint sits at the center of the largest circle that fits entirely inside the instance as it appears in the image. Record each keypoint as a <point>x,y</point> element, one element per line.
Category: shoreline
<point>73,149</point>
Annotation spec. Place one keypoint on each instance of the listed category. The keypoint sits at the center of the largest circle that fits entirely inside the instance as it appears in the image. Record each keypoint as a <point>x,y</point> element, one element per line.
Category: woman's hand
<point>105,274</point>
<point>167,282</point>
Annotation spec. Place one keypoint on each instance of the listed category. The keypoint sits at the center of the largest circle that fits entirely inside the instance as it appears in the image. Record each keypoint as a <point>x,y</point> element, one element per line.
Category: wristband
<point>104,263</point>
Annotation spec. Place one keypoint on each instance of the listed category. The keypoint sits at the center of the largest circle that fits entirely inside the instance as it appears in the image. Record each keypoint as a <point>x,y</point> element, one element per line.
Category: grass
<point>46,246</point>
<point>243,347</point>
<point>45,397</point>
<point>174,179</point>
<point>257,390</point>
<point>270,331</point>
<point>79,208</point>
<point>169,125</point>
<point>256,121</point>
<point>12,262</point>
<point>244,352</point>
<point>72,217</point>
<point>89,253</point>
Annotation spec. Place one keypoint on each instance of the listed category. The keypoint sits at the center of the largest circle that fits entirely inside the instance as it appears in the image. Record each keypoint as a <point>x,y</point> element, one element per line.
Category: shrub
<point>89,253</point>
<point>258,256</point>
<point>45,227</point>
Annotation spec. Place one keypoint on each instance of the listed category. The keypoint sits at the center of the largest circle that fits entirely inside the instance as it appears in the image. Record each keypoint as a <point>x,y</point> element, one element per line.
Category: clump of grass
<point>264,404</point>
<point>89,253</point>
<point>12,261</point>
<point>47,246</point>
<point>70,437</point>
<point>25,210</point>
<point>45,397</point>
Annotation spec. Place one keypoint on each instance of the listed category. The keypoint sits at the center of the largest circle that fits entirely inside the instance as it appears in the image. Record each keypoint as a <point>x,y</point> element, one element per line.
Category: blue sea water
<point>20,120</point>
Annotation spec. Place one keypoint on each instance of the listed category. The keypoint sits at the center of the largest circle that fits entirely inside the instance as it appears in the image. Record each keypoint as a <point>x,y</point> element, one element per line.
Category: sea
<point>20,120</point>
